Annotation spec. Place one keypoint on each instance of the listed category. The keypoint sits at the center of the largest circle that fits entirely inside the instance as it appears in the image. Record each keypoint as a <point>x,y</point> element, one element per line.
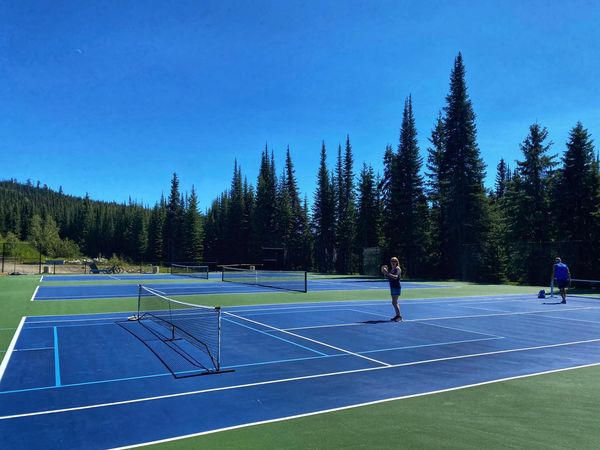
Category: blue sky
<point>111,98</point>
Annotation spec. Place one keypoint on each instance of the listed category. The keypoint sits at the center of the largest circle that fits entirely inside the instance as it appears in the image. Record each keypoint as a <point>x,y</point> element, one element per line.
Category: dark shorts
<point>395,291</point>
<point>562,284</point>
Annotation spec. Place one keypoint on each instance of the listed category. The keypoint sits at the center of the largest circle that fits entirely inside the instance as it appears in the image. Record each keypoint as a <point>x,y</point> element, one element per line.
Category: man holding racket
<point>562,275</point>
<point>393,277</point>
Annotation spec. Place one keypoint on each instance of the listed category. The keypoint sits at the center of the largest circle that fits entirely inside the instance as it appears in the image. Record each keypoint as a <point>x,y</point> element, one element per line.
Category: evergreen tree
<point>529,216</point>
<point>246,232</point>
<point>368,213</point>
<point>265,214</point>
<point>434,196</point>
<point>502,175</point>
<point>346,214</point>
<point>411,224</point>
<point>324,217</point>
<point>577,204</point>
<point>194,249</point>
<point>465,219</point>
<point>155,248</point>
<point>235,247</point>
<point>284,214</point>
<point>386,188</point>
<point>173,222</point>
<point>297,250</point>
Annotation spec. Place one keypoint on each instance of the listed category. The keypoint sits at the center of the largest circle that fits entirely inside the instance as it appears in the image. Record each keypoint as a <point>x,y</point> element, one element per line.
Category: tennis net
<point>198,325</point>
<point>190,271</point>
<point>579,288</point>
<point>288,280</point>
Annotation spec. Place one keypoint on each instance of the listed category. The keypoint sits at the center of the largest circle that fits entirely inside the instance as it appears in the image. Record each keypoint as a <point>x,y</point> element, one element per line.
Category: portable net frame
<point>578,288</point>
<point>288,280</point>
<point>198,325</point>
<point>190,271</point>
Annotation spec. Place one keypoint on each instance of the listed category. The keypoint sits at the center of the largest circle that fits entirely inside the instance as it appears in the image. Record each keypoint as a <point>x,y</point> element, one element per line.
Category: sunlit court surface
<point>103,381</point>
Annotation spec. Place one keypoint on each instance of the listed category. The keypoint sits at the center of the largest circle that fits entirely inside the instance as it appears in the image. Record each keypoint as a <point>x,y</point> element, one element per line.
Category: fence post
<point>3,256</point>
<point>40,260</point>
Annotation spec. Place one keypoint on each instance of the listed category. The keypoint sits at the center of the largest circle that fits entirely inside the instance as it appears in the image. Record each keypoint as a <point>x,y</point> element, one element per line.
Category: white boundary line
<point>358,405</point>
<point>41,278</point>
<point>308,377</point>
<point>11,347</point>
<point>309,339</point>
<point>34,293</point>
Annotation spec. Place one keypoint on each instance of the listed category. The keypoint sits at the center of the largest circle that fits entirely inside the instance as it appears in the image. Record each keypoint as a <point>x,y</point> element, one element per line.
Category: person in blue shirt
<point>393,277</point>
<point>562,275</point>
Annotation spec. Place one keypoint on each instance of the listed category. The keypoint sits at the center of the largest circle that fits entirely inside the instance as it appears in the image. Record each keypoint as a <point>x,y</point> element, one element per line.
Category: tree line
<point>436,214</point>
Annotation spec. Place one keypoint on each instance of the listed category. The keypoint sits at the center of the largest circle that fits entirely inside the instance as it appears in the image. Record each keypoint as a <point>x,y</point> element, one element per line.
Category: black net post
<point>305,281</point>
<point>139,300</point>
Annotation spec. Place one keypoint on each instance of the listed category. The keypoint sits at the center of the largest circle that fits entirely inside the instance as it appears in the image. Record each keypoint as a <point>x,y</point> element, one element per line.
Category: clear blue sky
<point>111,98</point>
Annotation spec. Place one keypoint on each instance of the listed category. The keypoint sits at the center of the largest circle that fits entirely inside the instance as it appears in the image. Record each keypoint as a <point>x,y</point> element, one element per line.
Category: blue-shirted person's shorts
<point>562,284</point>
<point>395,291</point>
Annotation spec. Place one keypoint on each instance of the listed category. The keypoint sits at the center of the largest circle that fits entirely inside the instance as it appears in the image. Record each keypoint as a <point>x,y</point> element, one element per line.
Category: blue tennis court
<point>74,382</point>
<point>103,291</point>
<point>118,277</point>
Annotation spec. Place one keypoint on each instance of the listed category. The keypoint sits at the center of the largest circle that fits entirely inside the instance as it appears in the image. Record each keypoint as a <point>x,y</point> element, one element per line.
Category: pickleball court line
<point>237,366</point>
<point>308,377</point>
<point>11,347</point>
<point>358,405</point>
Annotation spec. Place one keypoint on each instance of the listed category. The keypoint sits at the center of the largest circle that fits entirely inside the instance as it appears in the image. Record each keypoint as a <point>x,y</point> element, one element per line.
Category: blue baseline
<point>281,387</point>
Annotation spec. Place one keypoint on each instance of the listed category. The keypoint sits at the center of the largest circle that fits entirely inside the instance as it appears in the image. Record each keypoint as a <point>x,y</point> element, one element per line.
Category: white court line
<point>34,293</point>
<point>41,278</point>
<point>421,321</point>
<point>309,339</point>
<point>571,318</point>
<point>306,377</point>
<point>413,302</point>
<point>483,309</point>
<point>358,405</point>
<point>11,347</point>
<point>581,308</point>
<point>456,329</point>
<point>32,349</point>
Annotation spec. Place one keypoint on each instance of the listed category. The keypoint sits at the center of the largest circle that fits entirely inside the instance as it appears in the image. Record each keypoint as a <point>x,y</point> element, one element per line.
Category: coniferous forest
<point>435,214</point>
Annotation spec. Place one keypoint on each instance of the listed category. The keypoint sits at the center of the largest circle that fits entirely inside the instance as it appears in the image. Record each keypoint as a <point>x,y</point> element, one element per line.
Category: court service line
<point>444,326</point>
<point>455,329</point>
<point>41,278</point>
<point>479,308</point>
<point>571,318</point>
<point>32,349</point>
<point>357,405</point>
<point>310,340</point>
<point>34,293</point>
<point>11,347</point>
<point>276,337</point>
<point>308,377</point>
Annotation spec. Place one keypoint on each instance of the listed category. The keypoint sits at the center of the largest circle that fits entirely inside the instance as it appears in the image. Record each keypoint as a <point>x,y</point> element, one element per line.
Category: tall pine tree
<point>324,217</point>
<point>465,219</point>
<point>577,204</point>
<point>529,216</point>
<point>411,219</point>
